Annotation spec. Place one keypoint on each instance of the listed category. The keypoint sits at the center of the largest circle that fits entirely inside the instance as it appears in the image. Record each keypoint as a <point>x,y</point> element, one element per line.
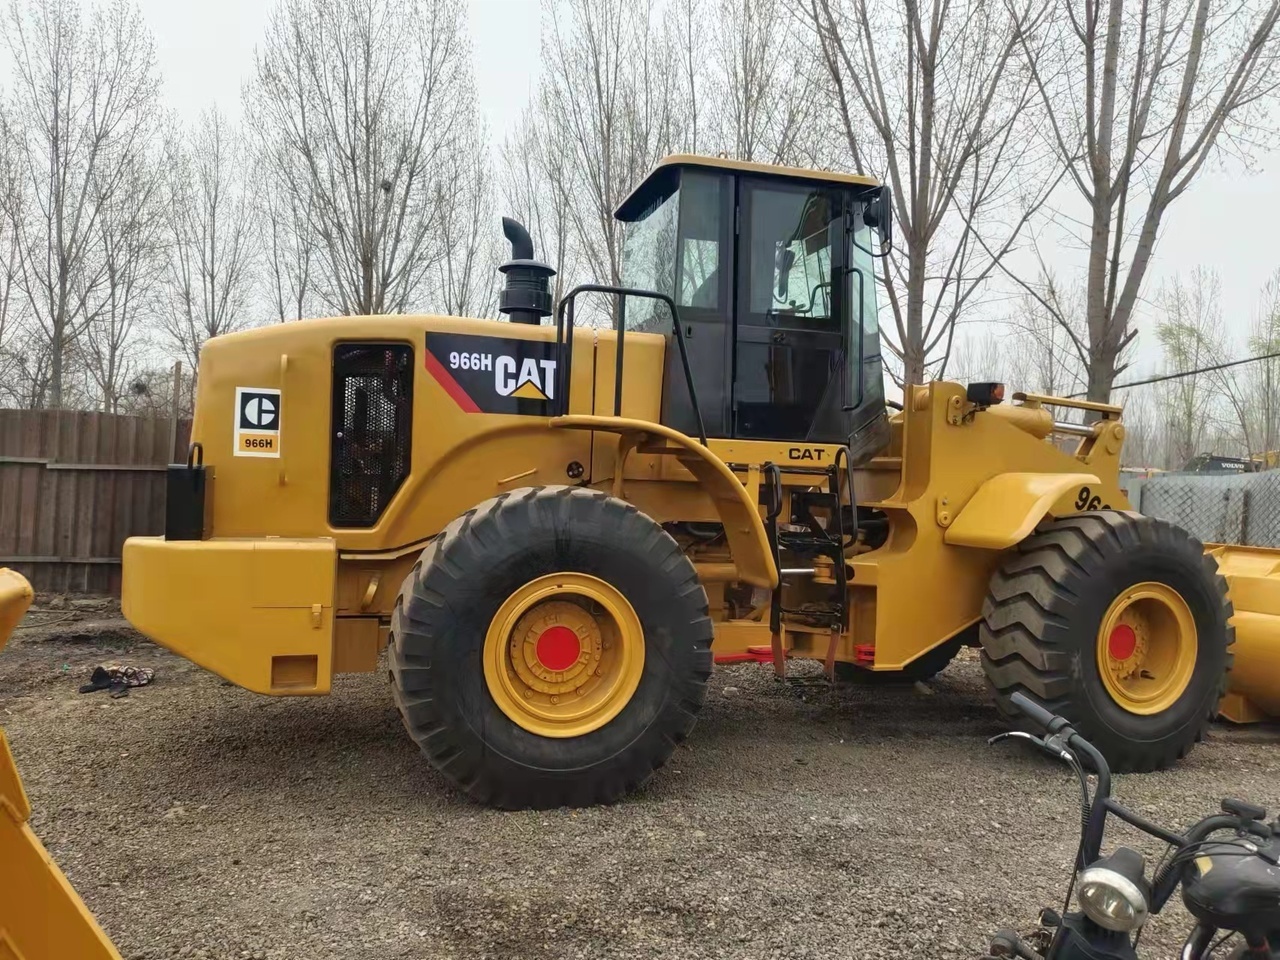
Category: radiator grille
<point>372,426</point>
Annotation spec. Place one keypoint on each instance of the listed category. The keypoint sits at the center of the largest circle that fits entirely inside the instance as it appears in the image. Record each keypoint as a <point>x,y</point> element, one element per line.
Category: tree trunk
<point>1102,340</point>
<point>913,352</point>
<point>54,401</point>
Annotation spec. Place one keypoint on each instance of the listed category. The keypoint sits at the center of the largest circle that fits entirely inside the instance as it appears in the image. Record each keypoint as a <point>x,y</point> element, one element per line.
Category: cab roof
<point>637,202</point>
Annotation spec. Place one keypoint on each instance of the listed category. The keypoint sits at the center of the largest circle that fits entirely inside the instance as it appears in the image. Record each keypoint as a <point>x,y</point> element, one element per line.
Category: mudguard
<point>740,515</point>
<point>1006,508</point>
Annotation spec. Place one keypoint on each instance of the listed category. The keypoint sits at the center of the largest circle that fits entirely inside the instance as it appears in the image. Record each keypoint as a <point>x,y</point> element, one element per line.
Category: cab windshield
<point>674,248</point>
<point>649,260</point>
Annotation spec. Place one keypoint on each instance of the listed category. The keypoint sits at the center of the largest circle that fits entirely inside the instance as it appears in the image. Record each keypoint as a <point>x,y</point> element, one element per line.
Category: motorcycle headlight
<point>1112,891</point>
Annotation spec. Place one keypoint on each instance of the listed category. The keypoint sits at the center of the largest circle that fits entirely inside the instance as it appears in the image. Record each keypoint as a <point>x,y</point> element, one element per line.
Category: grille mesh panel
<point>372,421</point>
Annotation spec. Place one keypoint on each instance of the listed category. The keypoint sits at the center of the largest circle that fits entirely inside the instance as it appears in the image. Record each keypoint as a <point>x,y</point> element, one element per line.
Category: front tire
<point>1118,622</point>
<point>551,648</point>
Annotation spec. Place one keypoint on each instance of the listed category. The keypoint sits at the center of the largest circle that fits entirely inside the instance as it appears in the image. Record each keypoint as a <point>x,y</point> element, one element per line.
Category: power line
<point>1184,373</point>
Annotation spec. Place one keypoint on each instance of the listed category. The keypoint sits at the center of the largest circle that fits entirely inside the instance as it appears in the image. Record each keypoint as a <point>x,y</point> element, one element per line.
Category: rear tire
<point>458,591</point>
<point>1045,632</point>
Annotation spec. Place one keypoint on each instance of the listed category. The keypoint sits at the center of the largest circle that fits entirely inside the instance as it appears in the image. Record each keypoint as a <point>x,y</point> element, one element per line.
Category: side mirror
<point>878,215</point>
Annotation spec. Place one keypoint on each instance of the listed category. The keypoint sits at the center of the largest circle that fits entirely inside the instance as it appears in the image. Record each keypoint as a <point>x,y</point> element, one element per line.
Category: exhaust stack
<point>525,297</point>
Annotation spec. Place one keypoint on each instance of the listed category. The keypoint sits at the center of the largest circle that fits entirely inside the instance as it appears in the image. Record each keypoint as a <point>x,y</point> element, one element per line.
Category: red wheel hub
<point>1122,642</point>
<point>558,648</point>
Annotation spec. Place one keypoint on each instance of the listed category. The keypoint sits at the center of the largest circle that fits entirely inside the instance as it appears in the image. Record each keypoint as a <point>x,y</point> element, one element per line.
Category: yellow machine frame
<point>284,605</point>
<point>41,915</point>
<point>272,595</point>
<point>287,604</point>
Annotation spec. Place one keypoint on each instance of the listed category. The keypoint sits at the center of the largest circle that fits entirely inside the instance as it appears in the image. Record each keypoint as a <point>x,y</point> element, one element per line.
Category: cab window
<point>649,260</point>
<point>792,234</point>
<point>700,235</point>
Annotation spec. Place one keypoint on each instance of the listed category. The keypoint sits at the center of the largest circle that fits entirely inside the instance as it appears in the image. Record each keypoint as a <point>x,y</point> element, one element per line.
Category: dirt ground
<point>198,820</point>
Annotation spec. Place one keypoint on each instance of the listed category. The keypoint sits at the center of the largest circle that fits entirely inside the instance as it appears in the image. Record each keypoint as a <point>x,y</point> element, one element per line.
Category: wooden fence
<point>73,485</point>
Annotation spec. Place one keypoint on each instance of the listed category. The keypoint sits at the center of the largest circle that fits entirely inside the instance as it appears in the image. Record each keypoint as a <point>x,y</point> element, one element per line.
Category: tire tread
<point>1024,620</point>
<point>462,547</point>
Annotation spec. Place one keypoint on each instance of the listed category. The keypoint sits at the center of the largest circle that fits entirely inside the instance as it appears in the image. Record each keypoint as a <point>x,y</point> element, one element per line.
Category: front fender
<point>1006,508</point>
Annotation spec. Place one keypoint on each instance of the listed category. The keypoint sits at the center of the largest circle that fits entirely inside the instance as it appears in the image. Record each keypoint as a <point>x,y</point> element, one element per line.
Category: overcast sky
<point>1226,222</point>
<point>207,46</point>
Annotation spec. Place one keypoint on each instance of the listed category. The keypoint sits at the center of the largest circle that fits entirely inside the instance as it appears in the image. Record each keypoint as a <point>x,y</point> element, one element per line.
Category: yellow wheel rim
<point>1147,648</point>
<point>564,655</point>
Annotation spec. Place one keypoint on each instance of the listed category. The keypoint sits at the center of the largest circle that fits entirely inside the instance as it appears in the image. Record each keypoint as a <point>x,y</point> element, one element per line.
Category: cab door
<point>791,359</point>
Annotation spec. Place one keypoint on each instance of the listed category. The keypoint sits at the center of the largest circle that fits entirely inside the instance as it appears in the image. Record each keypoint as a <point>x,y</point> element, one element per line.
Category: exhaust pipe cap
<point>526,297</point>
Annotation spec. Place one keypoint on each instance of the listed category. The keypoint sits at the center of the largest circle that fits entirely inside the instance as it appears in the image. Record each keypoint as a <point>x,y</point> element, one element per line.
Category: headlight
<point>1111,891</point>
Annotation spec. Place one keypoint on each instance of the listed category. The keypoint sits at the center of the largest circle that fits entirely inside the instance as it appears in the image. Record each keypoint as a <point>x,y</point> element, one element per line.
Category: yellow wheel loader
<point>555,526</point>
<point>41,915</point>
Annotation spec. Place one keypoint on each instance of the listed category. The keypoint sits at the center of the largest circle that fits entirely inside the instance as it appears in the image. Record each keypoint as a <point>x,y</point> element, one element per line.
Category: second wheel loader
<point>554,529</point>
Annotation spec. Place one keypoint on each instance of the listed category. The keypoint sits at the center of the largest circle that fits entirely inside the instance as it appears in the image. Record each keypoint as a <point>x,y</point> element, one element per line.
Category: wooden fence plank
<point>74,484</point>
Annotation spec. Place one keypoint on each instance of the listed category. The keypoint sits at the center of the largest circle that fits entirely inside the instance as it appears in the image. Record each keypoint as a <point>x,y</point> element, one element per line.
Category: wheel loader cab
<point>772,272</point>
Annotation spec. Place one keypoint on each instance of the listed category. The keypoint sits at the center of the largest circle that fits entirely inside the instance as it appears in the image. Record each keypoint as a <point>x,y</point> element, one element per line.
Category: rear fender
<point>737,509</point>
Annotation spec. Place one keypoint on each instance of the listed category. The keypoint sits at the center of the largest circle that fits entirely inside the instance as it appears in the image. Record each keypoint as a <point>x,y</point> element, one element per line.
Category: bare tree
<point>1263,377</point>
<point>1143,435</point>
<point>364,99</point>
<point>27,373</point>
<point>609,85</point>
<point>931,99</point>
<point>208,282</point>
<point>1138,98</point>
<point>131,228</point>
<point>1251,391</point>
<point>285,239</point>
<point>535,177</point>
<point>83,110</point>
<point>11,214</point>
<point>763,93</point>
<point>1190,332</point>
<point>686,26</point>
<point>24,353</point>
<point>466,274</point>
<point>150,393</point>
<point>980,356</point>
<point>1050,361</point>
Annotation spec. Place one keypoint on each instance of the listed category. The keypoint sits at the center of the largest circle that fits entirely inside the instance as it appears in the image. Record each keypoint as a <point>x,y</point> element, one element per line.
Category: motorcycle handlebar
<point>1059,735</point>
<point>1225,821</point>
<point>1054,724</point>
<point>1032,710</point>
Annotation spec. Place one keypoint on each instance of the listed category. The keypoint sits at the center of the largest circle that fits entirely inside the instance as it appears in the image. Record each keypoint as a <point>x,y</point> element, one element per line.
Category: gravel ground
<point>198,820</point>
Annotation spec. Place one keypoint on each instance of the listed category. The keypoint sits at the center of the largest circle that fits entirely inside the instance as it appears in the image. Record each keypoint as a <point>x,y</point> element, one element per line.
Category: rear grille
<point>372,427</point>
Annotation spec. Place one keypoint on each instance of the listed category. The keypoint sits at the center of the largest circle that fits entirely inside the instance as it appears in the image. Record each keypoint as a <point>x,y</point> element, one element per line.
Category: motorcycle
<point>1227,865</point>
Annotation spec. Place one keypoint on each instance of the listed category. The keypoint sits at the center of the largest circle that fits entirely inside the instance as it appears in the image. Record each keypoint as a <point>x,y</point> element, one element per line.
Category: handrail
<point>862,346</point>
<point>1109,411</point>
<point>564,347</point>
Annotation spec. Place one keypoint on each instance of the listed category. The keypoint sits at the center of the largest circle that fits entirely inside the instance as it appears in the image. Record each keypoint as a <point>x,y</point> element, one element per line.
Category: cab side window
<point>700,234</point>
<point>792,234</point>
